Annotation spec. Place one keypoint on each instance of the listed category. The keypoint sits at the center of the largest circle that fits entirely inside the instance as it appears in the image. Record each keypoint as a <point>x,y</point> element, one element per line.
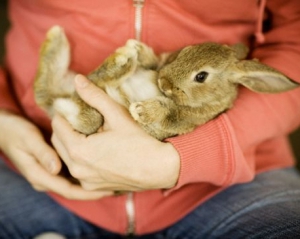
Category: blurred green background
<point>294,137</point>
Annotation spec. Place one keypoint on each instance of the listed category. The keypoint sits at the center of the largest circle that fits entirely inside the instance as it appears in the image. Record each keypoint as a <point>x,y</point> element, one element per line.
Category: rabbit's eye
<point>201,77</point>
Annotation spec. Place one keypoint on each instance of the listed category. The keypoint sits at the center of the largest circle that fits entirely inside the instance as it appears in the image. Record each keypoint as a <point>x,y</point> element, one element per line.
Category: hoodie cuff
<point>210,154</point>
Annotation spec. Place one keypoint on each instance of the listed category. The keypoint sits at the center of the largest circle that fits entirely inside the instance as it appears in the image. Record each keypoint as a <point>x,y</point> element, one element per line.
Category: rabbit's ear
<point>166,58</point>
<point>262,78</point>
<point>241,50</point>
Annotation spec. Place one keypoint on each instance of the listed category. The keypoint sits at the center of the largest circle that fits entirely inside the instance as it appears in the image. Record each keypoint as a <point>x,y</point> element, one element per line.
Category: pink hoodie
<point>246,140</point>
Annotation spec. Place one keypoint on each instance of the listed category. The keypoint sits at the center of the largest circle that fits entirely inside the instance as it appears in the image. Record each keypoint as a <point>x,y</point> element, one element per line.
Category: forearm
<point>11,124</point>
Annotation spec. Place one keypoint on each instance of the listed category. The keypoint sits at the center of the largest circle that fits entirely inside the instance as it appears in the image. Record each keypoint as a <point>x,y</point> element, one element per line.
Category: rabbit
<point>167,95</point>
<point>200,83</point>
<point>128,75</point>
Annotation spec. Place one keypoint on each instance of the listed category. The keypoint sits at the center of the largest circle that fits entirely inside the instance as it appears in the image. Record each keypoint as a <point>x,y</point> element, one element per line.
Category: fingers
<point>47,157</point>
<point>39,163</point>
<point>68,190</point>
<point>97,98</point>
<point>65,188</point>
<point>42,152</point>
<point>64,153</point>
<point>93,95</point>
<point>66,141</point>
<point>61,127</point>
<point>64,132</point>
<point>41,180</point>
<point>90,186</point>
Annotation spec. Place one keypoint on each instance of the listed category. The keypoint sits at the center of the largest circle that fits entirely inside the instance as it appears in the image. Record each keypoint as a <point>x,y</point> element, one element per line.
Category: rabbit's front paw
<point>122,62</point>
<point>146,55</point>
<point>147,112</point>
<point>124,57</point>
<point>126,54</point>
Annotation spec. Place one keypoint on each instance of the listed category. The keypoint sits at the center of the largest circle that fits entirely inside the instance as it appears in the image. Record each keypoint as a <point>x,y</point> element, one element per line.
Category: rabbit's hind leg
<point>82,117</point>
<point>55,52</point>
<point>53,66</point>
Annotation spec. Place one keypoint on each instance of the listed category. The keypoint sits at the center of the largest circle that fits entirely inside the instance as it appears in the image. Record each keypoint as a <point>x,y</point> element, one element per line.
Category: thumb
<point>46,156</point>
<point>98,99</point>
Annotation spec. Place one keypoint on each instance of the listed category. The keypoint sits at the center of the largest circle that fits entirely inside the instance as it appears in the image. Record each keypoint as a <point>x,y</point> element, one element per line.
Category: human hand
<point>23,143</point>
<point>121,156</point>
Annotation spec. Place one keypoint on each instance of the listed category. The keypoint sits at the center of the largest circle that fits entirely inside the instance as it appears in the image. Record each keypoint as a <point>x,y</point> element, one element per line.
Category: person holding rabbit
<point>232,177</point>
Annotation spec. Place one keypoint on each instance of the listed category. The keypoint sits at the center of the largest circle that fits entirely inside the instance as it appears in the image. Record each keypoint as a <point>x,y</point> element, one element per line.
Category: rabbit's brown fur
<point>167,95</point>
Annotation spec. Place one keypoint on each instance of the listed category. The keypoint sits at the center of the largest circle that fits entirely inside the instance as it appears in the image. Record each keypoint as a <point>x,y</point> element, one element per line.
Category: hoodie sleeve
<point>7,101</point>
<point>224,151</point>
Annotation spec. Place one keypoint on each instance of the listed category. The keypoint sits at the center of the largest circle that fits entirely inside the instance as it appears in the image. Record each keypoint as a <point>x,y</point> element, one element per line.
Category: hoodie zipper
<point>138,4</point>
<point>129,204</point>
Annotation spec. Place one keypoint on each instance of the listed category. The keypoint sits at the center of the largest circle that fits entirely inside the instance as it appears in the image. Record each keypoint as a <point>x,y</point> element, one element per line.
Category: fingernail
<point>81,81</point>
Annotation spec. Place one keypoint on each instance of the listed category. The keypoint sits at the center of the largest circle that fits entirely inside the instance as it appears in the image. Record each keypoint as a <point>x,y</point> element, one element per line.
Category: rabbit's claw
<point>147,112</point>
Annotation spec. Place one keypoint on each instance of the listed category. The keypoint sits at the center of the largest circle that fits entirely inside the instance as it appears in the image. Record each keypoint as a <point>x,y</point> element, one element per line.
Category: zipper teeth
<point>138,4</point>
<point>130,214</point>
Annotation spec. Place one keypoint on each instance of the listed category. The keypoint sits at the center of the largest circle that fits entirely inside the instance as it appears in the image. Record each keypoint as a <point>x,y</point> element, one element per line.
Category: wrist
<point>5,121</point>
<point>10,123</point>
<point>170,166</point>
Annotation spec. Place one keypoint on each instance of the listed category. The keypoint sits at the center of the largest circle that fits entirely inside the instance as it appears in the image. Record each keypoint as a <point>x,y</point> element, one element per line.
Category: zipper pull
<point>138,4</point>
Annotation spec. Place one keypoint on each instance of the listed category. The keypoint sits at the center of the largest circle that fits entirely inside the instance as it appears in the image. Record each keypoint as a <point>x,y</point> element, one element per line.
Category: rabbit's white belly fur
<point>139,87</point>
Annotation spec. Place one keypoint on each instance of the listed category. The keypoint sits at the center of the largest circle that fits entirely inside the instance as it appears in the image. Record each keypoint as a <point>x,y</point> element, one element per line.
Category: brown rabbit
<point>167,95</point>
<point>128,75</point>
